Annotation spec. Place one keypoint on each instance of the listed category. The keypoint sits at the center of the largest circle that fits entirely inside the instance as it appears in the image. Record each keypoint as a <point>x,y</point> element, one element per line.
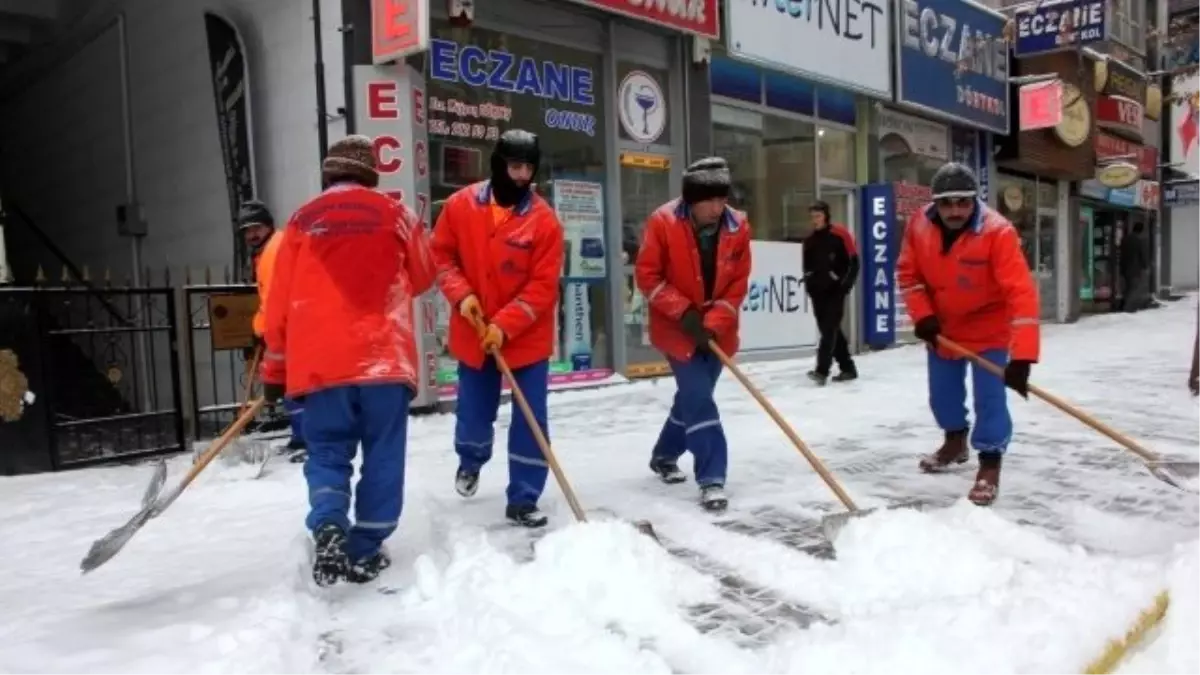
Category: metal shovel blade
<point>832,525</point>
<point>1178,474</point>
<point>104,548</point>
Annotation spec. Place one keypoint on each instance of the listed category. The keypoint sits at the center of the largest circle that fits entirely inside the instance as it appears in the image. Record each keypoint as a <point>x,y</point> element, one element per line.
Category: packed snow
<point>1079,542</point>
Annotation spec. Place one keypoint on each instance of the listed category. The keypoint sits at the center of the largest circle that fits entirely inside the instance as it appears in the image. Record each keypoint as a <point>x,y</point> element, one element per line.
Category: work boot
<point>329,555</point>
<point>466,482</point>
<point>818,378</point>
<point>525,515</point>
<point>667,471</point>
<point>987,479</point>
<point>369,568</point>
<point>712,498</point>
<point>953,451</point>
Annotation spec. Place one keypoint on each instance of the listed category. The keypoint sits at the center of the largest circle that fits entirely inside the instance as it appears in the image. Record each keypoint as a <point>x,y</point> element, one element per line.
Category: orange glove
<point>493,339</point>
<point>471,310</point>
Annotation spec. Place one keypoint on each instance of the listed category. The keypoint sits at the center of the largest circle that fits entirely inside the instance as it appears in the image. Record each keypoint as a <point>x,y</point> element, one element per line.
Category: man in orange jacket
<point>964,276</point>
<point>499,250</point>
<point>340,336</point>
<point>262,243</point>
<point>694,270</point>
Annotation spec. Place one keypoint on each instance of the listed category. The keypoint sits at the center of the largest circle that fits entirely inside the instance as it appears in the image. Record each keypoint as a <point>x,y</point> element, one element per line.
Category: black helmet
<point>954,180</point>
<point>515,145</point>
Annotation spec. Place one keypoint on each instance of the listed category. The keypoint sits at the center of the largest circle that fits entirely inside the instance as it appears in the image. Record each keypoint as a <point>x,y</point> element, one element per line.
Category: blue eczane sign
<point>1040,31</point>
<point>879,264</point>
<point>503,71</point>
<point>934,37</point>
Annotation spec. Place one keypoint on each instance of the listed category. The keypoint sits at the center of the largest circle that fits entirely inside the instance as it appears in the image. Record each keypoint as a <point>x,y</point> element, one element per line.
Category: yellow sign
<point>231,320</point>
<point>1154,101</point>
<point>643,370</point>
<point>643,160</point>
<point>13,387</point>
<point>1076,124</point>
<point>1118,175</point>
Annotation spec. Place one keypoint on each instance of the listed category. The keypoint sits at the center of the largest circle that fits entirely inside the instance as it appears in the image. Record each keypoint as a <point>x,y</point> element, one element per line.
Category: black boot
<point>667,471</point>
<point>525,515</point>
<point>846,374</point>
<point>368,569</point>
<point>712,498</point>
<point>466,482</point>
<point>818,378</point>
<point>330,563</point>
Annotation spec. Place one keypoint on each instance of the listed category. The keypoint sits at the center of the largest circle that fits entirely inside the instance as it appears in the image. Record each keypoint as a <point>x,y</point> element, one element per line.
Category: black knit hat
<point>953,181</point>
<point>822,207</point>
<point>254,212</point>
<point>706,178</point>
<point>351,158</point>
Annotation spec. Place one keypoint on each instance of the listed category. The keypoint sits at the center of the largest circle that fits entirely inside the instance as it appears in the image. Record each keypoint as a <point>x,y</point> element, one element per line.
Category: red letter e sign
<point>398,28</point>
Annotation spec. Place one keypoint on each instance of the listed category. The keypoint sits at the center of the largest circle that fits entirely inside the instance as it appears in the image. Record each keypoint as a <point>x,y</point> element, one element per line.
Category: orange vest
<point>264,267</point>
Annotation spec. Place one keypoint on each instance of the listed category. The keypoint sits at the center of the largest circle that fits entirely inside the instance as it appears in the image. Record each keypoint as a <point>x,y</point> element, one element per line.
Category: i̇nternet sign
<point>1060,24</point>
<point>879,264</point>
<point>952,62</point>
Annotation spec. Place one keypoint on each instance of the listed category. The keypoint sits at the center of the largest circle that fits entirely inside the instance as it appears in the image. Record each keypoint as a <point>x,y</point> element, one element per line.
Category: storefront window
<point>1032,207</point>
<point>643,189</point>
<point>837,154</point>
<point>479,86</point>
<point>773,160</point>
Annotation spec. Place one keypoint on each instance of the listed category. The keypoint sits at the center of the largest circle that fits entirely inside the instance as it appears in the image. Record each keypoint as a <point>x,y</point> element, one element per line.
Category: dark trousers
<point>829,308</point>
<point>694,424</point>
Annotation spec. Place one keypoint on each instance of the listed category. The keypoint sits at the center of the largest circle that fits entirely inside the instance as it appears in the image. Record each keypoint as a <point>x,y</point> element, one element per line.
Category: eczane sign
<point>879,264</point>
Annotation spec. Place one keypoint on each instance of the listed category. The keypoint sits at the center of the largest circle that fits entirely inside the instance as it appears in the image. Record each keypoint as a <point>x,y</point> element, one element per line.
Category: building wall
<point>64,156</point>
<point>1185,248</point>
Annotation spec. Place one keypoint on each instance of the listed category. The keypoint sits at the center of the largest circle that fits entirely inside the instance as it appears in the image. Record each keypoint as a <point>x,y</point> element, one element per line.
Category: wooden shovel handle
<point>532,422</point>
<point>816,463</point>
<point>1123,440</point>
<point>231,432</point>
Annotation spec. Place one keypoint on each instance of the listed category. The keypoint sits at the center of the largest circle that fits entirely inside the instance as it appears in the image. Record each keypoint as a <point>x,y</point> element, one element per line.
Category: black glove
<point>1016,377</point>
<point>693,324</point>
<point>273,393</point>
<point>928,329</point>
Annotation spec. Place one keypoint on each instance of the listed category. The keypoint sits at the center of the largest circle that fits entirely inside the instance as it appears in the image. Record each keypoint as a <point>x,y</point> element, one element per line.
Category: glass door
<point>644,187</point>
<point>842,211</point>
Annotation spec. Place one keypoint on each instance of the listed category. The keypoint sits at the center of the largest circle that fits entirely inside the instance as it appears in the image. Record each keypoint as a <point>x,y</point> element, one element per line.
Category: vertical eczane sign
<point>390,109</point>
<point>398,28</point>
<point>879,264</point>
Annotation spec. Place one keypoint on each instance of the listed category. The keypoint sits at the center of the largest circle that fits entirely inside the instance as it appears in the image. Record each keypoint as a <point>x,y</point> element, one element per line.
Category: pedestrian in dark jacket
<point>1134,262</point>
<point>830,270</point>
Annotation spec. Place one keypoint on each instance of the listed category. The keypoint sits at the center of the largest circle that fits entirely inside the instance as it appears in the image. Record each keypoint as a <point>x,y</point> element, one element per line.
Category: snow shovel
<point>153,504</point>
<point>1176,473</point>
<point>560,476</point>
<point>830,525</point>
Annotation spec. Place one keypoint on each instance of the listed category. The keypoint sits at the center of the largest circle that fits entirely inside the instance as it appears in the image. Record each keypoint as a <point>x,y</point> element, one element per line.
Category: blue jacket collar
<point>484,197</point>
<point>728,219</point>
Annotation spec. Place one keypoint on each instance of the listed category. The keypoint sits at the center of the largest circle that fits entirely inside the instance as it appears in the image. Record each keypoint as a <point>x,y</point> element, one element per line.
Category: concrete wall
<point>62,145</point>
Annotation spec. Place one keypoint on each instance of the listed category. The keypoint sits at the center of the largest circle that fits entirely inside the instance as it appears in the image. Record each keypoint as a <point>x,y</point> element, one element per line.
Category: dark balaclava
<point>351,159</point>
<point>515,145</point>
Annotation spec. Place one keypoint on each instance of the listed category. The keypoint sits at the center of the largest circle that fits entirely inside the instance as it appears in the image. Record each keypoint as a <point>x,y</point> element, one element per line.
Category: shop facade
<point>794,130</point>
<point>602,83</point>
<point>1181,142</point>
<point>1036,166</point>
<point>941,112</point>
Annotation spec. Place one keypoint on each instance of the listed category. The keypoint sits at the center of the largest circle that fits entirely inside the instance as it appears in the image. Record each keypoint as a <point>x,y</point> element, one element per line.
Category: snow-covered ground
<point>1080,540</point>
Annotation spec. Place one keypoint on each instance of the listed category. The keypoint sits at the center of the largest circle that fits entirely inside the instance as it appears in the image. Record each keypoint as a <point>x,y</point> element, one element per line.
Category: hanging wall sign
<point>642,107</point>
<point>1060,24</point>
<point>952,63</point>
<point>398,28</point>
<point>1118,174</point>
<point>842,43</point>
<point>696,17</point>
<point>879,264</point>
<point>1122,115</point>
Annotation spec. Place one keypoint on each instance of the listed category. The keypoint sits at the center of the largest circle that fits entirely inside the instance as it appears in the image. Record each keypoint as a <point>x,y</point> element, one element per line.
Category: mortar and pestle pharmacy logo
<point>643,108</point>
<point>14,387</point>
